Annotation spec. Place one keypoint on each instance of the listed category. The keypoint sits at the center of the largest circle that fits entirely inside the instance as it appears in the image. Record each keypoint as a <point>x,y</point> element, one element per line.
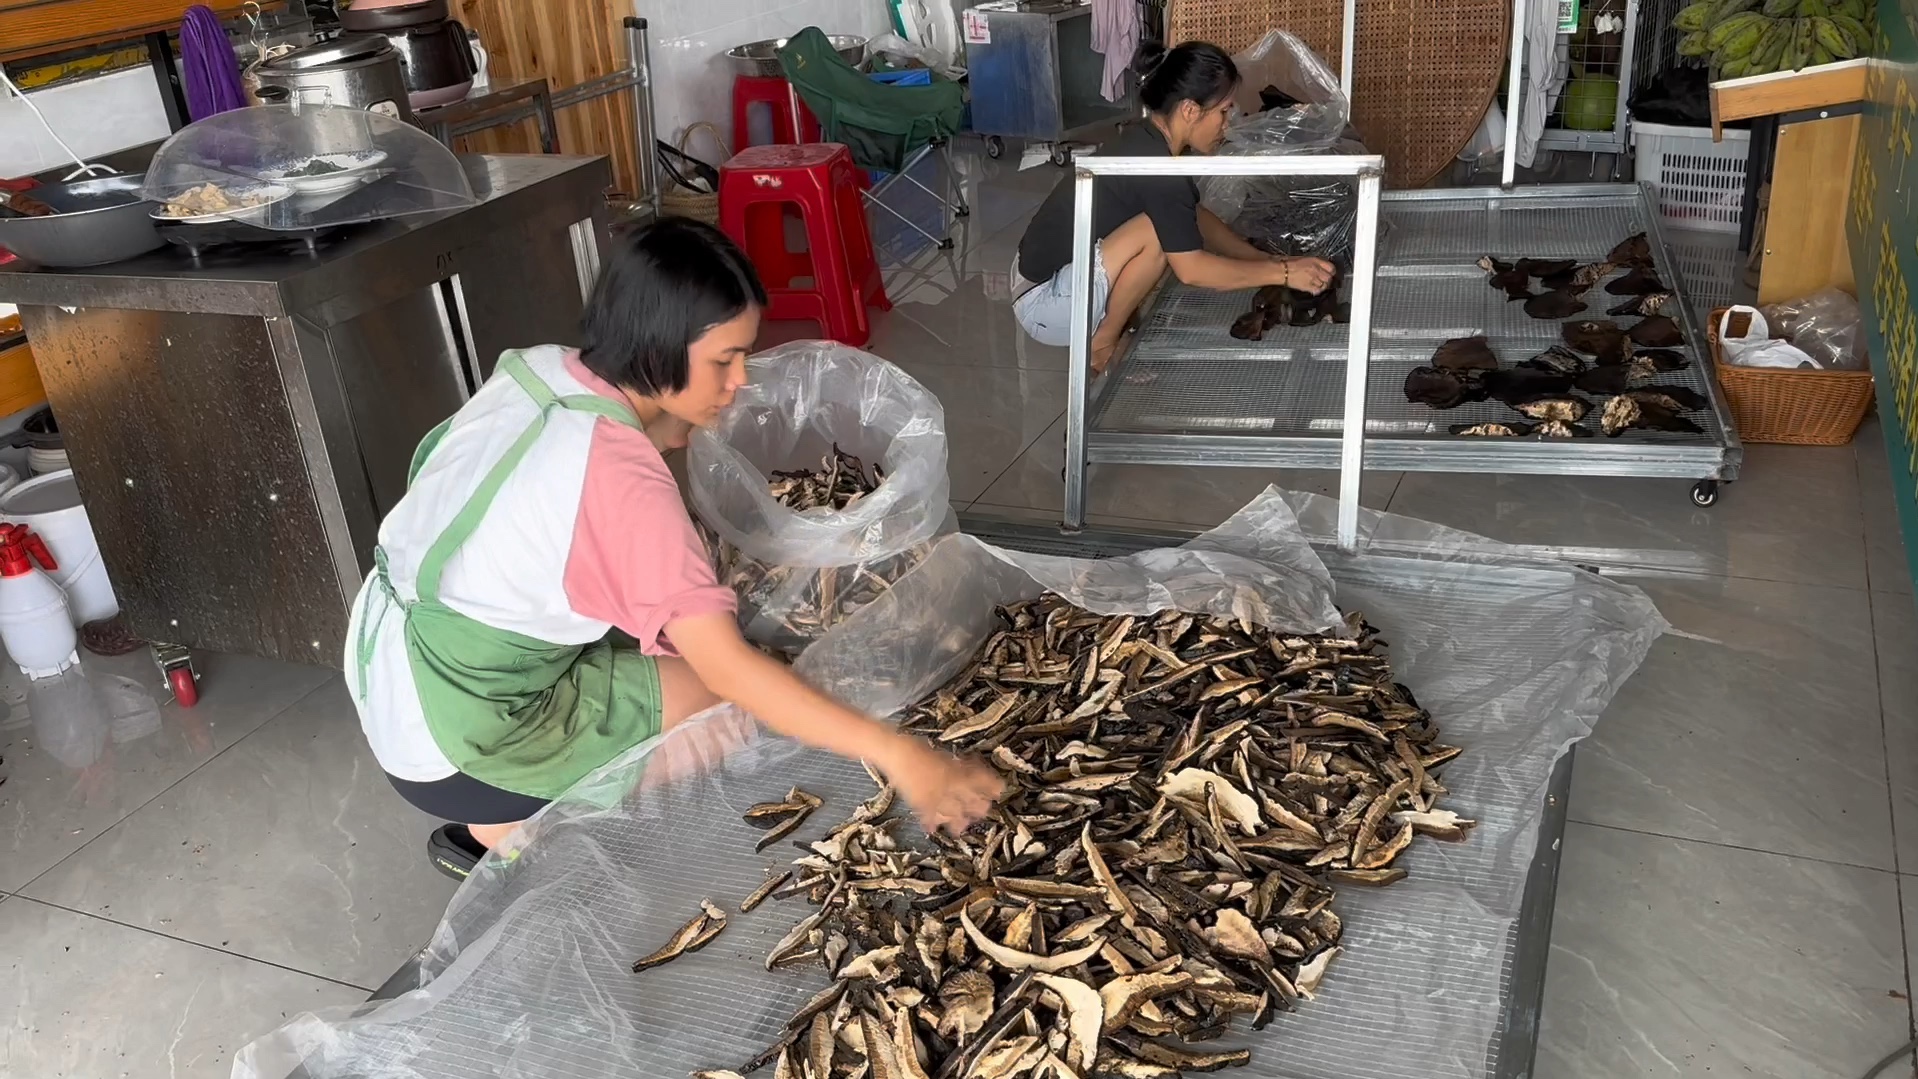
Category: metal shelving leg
<point>1358,352</point>
<point>1079,362</point>
<point>1514,83</point>
<point>639,58</point>
<point>1347,37</point>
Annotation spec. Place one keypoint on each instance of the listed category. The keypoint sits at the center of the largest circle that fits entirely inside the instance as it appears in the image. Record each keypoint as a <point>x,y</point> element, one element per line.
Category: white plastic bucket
<point>51,506</point>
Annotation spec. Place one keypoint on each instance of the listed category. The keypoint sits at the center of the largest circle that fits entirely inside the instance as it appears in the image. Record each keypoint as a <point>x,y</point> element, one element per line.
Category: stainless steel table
<point>238,424</point>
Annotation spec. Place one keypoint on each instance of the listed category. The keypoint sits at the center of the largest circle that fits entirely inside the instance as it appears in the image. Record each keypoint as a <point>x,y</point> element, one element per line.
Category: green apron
<point>522,714</point>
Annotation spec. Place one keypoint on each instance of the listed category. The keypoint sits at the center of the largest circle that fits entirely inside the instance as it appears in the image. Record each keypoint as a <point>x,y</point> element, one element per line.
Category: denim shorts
<point>1045,311</point>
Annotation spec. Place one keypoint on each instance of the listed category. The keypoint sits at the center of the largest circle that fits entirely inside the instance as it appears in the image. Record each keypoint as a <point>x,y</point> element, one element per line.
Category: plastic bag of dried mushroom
<point>1186,796</point>
<point>819,487</point>
<point>1162,870</point>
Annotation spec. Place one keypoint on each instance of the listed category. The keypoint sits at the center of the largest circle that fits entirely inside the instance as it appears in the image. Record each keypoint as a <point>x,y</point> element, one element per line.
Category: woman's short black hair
<point>663,286</point>
<point>1196,71</point>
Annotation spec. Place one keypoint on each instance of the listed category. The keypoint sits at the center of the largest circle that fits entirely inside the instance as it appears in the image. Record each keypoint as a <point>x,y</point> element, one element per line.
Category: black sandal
<point>453,850</point>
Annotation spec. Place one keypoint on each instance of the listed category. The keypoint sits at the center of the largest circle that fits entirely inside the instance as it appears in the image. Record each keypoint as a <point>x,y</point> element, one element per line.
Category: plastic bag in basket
<point>1756,347</point>
<point>1825,326</point>
<point>831,419</point>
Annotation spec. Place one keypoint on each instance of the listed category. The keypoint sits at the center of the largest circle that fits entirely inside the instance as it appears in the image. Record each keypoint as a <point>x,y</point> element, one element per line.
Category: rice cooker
<point>360,71</point>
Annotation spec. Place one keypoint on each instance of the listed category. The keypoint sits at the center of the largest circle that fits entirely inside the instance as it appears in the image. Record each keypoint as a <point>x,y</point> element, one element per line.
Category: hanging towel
<point>1115,34</point>
<point>208,68</point>
<point>1544,80</point>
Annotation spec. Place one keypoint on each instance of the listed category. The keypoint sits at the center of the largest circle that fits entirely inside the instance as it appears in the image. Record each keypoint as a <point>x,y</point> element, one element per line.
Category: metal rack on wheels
<point>1187,393</point>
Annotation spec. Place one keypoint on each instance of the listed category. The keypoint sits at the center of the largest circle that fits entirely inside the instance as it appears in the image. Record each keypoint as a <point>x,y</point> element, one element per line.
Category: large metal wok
<point>94,222</point>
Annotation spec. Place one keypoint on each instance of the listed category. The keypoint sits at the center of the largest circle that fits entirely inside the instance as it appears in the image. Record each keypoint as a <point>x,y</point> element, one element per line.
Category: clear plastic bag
<point>529,975</point>
<point>903,55</point>
<point>1824,326</point>
<point>799,573</point>
<point>1290,103</point>
<point>1289,100</point>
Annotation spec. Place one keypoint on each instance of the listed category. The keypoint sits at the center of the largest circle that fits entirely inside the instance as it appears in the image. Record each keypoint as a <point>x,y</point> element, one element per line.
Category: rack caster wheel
<point>995,147</point>
<point>1704,492</point>
<point>176,670</point>
<point>1062,157</point>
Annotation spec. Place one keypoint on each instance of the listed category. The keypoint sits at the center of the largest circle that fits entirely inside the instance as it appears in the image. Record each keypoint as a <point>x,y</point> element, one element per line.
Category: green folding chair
<point>888,129</point>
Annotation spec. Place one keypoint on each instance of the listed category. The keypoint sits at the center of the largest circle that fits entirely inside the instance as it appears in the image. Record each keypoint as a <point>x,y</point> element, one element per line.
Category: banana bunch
<point>1756,37</point>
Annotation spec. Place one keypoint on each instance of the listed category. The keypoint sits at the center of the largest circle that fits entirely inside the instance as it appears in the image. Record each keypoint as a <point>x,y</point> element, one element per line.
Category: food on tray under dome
<point>302,167</point>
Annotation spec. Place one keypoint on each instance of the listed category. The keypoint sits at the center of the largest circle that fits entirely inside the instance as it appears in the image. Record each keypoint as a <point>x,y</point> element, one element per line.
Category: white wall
<point>94,116</point>
<point>689,37</point>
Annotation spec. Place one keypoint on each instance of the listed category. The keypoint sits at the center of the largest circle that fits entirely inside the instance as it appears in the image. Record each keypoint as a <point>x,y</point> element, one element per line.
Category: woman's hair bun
<point>1147,60</point>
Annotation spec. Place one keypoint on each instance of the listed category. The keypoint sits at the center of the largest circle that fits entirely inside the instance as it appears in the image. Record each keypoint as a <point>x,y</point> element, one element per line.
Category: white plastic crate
<point>1700,183</point>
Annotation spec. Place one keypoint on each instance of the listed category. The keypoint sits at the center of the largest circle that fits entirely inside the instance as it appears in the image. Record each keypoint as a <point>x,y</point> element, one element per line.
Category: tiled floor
<point>1733,898</point>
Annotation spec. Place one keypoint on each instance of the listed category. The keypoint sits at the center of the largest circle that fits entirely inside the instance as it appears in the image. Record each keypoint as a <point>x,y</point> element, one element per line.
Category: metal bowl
<point>761,58</point>
<point>94,222</point>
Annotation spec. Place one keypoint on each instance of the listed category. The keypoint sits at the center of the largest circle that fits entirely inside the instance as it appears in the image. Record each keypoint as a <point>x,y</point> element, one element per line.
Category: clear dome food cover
<point>303,166</point>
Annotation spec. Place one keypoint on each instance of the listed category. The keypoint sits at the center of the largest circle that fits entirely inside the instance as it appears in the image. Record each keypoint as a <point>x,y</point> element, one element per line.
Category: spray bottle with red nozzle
<point>34,624</point>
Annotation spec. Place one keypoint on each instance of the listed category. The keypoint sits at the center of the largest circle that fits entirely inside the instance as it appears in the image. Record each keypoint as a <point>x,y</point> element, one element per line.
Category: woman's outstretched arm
<point>944,790</point>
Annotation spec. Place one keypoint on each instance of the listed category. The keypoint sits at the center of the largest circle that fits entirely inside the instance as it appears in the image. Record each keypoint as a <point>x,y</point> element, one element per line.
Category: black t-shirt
<point>1172,202</point>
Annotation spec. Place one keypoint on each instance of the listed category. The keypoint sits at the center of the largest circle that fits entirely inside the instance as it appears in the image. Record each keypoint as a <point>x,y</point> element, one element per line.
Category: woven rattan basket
<point>1800,407</point>
<point>1424,72</point>
<point>677,201</point>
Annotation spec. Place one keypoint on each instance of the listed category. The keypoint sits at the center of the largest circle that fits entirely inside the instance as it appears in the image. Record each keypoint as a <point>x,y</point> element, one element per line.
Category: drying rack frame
<point>1709,458</point>
<point>1367,169</point>
<point>1708,464</point>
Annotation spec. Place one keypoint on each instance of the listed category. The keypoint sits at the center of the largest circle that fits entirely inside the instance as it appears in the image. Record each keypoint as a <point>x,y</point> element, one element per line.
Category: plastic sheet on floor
<point>530,971</point>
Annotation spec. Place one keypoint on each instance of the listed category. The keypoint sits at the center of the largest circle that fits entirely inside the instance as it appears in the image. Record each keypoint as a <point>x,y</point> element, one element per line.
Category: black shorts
<point>464,800</point>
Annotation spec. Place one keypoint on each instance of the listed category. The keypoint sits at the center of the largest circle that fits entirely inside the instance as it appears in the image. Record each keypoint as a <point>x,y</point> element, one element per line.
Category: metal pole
<point>644,131</point>
<point>793,106</point>
<point>1358,354</point>
<point>1079,362</point>
<point>1514,82</point>
<point>1346,45</point>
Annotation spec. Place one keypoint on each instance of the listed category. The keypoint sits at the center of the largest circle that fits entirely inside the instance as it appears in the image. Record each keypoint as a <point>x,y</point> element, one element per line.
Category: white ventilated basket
<point>1700,183</point>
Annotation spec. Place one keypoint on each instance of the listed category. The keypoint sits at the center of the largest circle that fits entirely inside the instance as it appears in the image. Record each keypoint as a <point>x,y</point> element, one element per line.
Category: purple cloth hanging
<point>207,65</point>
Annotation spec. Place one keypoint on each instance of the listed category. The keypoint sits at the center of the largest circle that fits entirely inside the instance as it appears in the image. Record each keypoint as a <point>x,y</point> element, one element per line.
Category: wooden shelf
<point>37,27</point>
<point>1786,91</point>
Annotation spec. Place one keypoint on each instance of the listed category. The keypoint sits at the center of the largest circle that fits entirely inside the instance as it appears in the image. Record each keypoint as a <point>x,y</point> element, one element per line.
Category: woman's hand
<point>945,791</point>
<point>1307,274</point>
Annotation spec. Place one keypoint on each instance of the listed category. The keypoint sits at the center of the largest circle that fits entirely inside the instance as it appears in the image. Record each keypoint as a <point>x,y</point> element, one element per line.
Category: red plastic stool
<point>755,190</point>
<point>774,91</point>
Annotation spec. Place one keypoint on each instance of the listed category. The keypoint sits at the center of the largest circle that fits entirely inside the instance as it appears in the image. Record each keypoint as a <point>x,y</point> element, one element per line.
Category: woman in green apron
<point>541,602</point>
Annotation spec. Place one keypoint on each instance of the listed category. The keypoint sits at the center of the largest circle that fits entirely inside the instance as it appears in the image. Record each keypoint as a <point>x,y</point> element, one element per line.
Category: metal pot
<point>94,222</point>
<point>761,58</point>
<point>364,16</point>
<point>360,71</point>
<point>437,62</point>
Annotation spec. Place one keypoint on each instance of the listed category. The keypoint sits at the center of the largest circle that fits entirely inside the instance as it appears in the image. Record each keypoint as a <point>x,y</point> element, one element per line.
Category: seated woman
<point>1142,224</point>
<point>541,602</point>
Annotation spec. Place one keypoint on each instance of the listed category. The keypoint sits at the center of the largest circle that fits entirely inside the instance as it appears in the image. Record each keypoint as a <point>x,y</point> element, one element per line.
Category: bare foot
<point>1102,356</point>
